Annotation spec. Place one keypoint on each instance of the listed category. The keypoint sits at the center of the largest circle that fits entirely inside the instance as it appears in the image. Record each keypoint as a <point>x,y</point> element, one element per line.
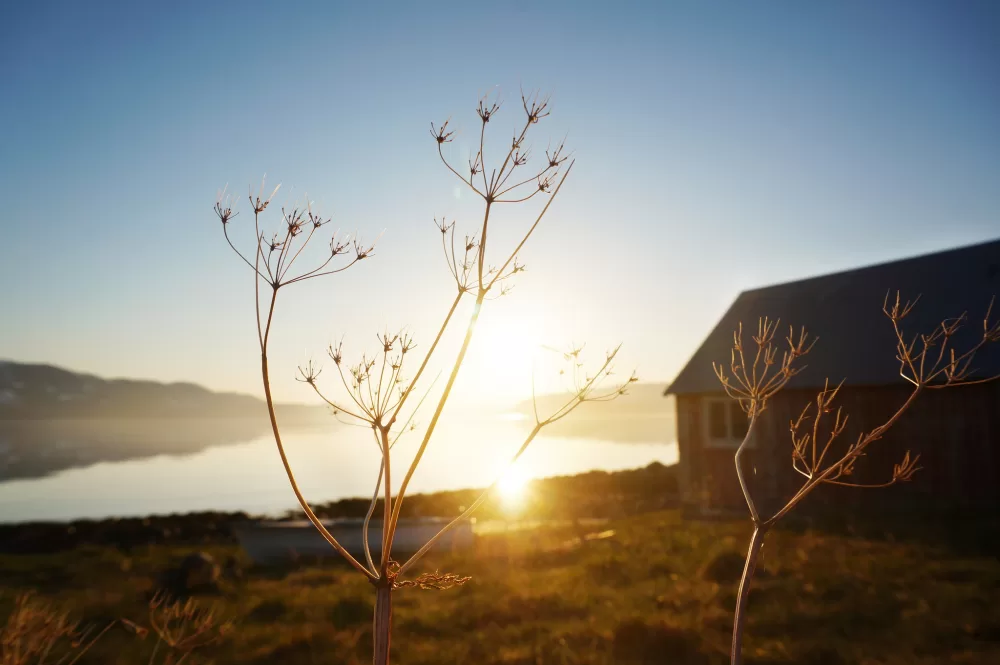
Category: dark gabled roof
<point>845,311</point>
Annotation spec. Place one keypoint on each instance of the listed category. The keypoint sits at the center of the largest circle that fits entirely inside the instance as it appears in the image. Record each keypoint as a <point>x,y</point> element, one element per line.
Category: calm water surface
<point>329,464</point>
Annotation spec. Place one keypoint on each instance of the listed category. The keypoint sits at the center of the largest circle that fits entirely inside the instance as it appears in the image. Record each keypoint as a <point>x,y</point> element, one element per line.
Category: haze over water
<point>329,463</point>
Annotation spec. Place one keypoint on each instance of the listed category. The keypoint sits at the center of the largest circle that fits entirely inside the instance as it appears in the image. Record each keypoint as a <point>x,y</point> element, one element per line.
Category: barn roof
<point>844,310</point>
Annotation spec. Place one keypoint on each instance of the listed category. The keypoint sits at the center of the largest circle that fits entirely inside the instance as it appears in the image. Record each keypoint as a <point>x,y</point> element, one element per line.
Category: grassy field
<point>660,590</point>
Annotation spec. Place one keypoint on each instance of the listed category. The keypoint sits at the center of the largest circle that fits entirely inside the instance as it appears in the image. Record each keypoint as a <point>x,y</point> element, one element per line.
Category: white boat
<point>274,541</point>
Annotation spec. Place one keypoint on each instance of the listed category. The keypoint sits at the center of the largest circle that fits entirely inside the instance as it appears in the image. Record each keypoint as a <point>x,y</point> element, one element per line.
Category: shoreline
<point>594,494</point>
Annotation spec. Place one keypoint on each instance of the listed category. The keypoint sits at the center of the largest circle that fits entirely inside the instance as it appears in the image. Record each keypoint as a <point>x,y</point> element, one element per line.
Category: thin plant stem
<point>387,508</point>
<point>368,517</point>
<point>382,624</point>
<point>316,522</point>
<point>398,504</point>
<point>535,225</point>
<point>739,621</point>
<point>560,414</point>
<point>475,504</point>
<point>427,357</point>
<point>739,472</point>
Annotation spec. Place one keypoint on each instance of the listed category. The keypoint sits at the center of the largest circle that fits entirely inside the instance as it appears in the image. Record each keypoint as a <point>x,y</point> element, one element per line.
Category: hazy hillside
<point>44,392</point>
<point>53,419</point>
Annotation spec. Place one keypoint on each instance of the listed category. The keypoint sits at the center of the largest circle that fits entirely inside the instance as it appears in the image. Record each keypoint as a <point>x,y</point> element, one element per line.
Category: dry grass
<point>662,589</point>
<point>35,633</point>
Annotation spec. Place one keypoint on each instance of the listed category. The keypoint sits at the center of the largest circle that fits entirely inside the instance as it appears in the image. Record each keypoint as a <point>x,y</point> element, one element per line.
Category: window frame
<point>728,442</point>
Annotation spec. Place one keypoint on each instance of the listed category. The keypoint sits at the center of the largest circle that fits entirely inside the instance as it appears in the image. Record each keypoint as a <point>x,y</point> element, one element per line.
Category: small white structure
<point>269,542</point>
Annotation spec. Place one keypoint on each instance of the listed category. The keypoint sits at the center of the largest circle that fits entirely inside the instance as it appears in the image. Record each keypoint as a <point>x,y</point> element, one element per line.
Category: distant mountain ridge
<point>45,392</point>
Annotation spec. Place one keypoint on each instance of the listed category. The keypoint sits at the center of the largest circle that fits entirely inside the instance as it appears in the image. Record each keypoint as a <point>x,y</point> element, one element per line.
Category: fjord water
<point>243,472</point>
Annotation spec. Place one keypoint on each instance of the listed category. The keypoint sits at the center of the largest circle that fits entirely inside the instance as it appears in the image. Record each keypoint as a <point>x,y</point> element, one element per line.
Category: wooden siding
<point>956,432</point>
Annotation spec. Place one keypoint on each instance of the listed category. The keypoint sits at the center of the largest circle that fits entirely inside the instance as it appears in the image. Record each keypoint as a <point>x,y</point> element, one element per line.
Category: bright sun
<point>512,485</point>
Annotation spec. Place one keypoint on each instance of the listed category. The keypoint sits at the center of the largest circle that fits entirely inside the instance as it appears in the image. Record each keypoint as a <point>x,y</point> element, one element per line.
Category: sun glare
<point>504,352</point>
<point>512,485</point>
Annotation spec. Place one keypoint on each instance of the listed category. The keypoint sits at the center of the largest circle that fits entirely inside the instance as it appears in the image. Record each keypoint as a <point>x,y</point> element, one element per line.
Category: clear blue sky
<point>720,146</point>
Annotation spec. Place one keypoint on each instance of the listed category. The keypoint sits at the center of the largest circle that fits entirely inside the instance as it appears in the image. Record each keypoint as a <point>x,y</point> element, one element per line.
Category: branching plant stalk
<point>306,508</point>
<point>397,507</point>
<point>427,357</point>
<point>583,395</point>
<point>754,384</point>
<point>377,390</point>
<point>470,330</point>
<point>761,527</point>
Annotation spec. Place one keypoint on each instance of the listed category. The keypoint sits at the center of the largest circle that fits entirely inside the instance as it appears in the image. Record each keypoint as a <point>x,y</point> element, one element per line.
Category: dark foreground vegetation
<point>650,587</point>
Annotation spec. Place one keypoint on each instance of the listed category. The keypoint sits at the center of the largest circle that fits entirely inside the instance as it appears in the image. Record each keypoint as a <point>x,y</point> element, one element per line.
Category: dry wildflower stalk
<point>375,387</point>
<point>180,627</point>
<point>272,265</point>
<point>928,361</point>
<point>35,634</point>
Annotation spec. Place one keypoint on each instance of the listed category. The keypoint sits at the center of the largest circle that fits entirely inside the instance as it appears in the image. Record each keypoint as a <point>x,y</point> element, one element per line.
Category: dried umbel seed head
<point>338,246</point>
<point>486,110</point>
<point>362,252</point>
<point>260,204</point>
<point>316,220</point>
<point>442,135</point>
<point>387,341</point>
<point>903,472</point>
<point>224,206</point>
<point>336,352</point>
<point>406,342</point>
<point>295,221</point>
<point>535,108</point>
<point>754,389</point>
<point>556,157</point>
<point>309,373</point>
<point>931,359</point>
<point>443,225</point>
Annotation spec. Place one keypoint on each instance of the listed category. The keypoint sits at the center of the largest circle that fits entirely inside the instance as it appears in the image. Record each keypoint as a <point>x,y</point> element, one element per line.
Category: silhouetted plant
<point>928,361</point>
<point>376,391</point>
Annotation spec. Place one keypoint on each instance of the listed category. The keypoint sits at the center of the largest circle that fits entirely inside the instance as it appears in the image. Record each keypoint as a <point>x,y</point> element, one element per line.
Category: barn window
<point>725,423</point>
<point>738,422</point>
<point>718,425</point>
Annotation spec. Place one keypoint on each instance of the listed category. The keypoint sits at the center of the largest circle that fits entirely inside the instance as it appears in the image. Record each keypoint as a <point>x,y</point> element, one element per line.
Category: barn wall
<point>956,431</point>
<point>709,483</point>
<point>689,461</point>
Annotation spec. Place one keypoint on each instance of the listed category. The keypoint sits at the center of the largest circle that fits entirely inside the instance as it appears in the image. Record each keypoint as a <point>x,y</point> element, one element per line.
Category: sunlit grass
<point>661,589</point>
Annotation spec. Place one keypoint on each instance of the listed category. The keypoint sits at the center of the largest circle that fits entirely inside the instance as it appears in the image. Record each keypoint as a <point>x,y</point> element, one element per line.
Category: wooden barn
<point>956,430</point>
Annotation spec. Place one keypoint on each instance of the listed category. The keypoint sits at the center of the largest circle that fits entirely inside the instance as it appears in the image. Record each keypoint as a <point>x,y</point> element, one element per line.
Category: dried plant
<point>928,361</point>
<point>181,628</point>
<point>36,634</point>
<point>377,390</point>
